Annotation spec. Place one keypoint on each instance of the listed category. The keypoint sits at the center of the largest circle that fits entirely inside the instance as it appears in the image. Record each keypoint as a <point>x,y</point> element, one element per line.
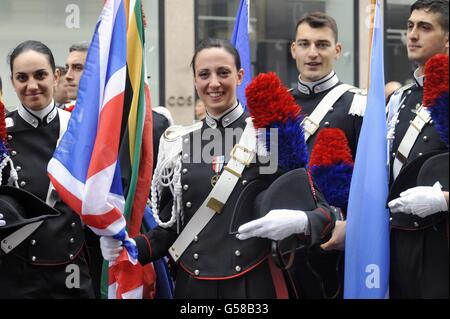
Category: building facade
<point>175,26</point>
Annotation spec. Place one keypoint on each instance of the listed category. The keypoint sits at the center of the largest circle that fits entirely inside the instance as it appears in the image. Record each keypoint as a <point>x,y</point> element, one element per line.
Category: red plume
<point>269,101</point>
<point>331,147</point>
<point>436,78</point>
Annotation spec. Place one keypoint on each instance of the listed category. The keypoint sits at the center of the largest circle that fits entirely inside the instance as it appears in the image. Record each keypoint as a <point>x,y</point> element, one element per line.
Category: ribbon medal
<point>217,165</point>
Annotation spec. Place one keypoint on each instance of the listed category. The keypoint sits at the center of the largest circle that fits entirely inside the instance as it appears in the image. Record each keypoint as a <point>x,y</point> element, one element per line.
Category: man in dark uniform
<point>419,235</point>
<point>327,103</point>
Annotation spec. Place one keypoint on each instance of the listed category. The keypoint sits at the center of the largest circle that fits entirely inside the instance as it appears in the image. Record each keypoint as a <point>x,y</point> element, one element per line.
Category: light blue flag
<point>241,41</point>
<point>367,239</point>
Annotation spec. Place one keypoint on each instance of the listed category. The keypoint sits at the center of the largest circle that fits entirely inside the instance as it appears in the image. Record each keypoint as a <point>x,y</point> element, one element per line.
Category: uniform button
<point>186,187</point>
<point>10,137</point>
<point>185,170</point>
<point>13,153</point>
<point>237,236</point>
<point>71,257</point>
<point>238,268</point>
<point>237,253</point>
<point>33,242</point>
<point>185,156</point>
<point>393,155</point>
<point>186,140</point>
<point>331,109</point>
<point>73,225</point>
<point>398,121</point>
<point>416,224</point>
<point>23,184</point>
<point>431,122</point>
<point>197,272</point>
<point>196,256</point>
<point>425,138</point>
<point>408,92</point>
<point>188,204</point>
<point>196,239</point>
<point>420,154</point>
<point>244,182</point>
<point>327,124</point>
<point>403,106</point>
<point>390,218</point>
<point>18,168</point>
<point>72,240</point>
<point>418,105</point>
<point>33,258</point>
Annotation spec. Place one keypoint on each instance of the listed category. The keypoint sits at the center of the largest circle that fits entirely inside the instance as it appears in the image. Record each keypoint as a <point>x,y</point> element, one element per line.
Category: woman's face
<point>216,79</point>
<point>33,79</point>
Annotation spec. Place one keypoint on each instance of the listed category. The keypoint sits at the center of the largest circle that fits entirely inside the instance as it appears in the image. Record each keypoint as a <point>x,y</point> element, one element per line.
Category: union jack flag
<point>85,169</point>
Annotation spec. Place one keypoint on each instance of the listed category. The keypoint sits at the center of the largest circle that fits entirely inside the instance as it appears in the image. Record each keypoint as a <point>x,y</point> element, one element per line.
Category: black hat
<point>291,190</point>
<point>20,207</point>
<point>407,178</point>
<point>434,169</point>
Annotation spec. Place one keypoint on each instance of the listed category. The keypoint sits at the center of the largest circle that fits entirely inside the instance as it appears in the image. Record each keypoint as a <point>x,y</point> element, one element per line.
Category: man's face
<point>315,52</point>
<point>425,36</point>
<point>75,66</point>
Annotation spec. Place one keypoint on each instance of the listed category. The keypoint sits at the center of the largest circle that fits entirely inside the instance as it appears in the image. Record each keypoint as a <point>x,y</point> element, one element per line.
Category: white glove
<point>2,221</point>
<point>111,248</point>
<point>421,201</point>
<point>276,225</point>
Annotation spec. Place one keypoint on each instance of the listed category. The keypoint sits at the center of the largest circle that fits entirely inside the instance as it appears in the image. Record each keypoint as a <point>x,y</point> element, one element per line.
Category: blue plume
<point>439,114</point>
<point>292,149</point>
<point>337,191</point>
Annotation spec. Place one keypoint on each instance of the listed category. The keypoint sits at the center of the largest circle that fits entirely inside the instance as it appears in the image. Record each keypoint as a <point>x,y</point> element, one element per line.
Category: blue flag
<point>241,41</point>
<point>367,239</point>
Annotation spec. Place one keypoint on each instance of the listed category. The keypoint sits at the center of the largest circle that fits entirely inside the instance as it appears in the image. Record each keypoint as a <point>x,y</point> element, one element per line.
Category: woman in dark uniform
<point>214,262</point>
<point>41,266</point>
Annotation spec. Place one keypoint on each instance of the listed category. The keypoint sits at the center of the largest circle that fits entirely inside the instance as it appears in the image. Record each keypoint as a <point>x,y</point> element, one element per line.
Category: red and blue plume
<point>3,149</point>
<point>331,166</point>
<point>271,106</point>
<point>435,93</point>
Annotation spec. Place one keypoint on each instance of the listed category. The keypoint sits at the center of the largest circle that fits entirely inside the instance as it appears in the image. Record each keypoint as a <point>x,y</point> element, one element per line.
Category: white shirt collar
<point>33,117</point>
<point>321,85</point>
<point>419,79</point>
<point>227,118</point>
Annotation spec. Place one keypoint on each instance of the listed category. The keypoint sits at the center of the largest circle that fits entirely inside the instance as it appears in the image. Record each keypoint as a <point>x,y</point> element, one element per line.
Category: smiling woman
<point>35,263</point>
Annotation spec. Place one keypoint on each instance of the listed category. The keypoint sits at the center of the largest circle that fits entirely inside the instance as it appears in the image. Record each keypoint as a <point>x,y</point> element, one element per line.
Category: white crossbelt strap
<point>64,118</point>
<point>410,138</point>
<point>241,156</point>
<point>17,237</point>
<point>312,123</point>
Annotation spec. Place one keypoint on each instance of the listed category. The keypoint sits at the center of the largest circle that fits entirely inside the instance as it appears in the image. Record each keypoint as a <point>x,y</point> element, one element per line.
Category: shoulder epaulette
<point>358,91</point>
<point>359,101</point>
<point>403,88</point>
<point>177,131</point>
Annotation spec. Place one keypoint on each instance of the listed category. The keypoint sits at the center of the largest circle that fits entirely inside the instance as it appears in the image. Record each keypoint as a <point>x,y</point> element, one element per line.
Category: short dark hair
<point>31,45</point>
<point>62,69</point>
<point>217,43</point>
<point>435,6</point>
<point>319,20</point>
<point>80,46</point>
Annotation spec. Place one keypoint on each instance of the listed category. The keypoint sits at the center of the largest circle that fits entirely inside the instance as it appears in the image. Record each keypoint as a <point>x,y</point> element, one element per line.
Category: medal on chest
<point>217,166</point>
